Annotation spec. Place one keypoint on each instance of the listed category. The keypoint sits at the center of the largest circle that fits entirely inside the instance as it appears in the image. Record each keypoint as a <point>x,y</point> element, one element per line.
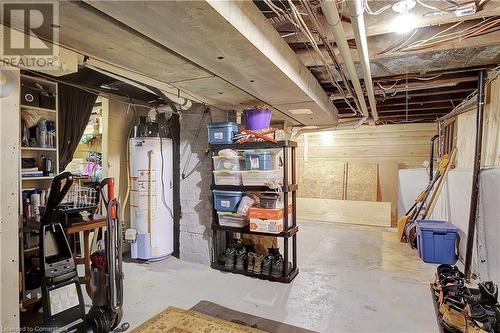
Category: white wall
<point>410,183</point>
<point>9,207</point>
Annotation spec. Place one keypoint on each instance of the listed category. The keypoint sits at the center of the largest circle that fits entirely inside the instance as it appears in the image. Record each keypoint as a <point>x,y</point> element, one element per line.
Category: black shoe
<point>257,263</point>
<point>277,267</point>
<point>266,264</point>
<point>230,256</point>
<point>250,261</point>
<point>497,316</point>
<point>489,293</point>
<point>241,255</point>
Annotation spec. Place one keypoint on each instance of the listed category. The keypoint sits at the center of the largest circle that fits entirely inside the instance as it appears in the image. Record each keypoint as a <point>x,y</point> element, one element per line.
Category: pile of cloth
<point>464,308</point>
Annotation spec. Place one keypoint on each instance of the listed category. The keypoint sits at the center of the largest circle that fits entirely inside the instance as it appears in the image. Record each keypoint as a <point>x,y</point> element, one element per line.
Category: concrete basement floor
<point>352,279</point>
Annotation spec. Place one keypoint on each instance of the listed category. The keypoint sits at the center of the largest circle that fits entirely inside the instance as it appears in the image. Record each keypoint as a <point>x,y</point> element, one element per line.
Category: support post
<point>475,174</point>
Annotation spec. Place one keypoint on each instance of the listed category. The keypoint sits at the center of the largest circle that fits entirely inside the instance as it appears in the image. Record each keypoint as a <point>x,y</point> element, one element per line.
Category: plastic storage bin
<point>222,163</point>
<point>257,118</point>
<point>227,178</point>
<point>232,220</point>
<point>262,178</point>
<point>245,204</point>
<point>264,160</point>
<point>222,133</point>
<point>269,200</point>
<point>227,201</point>
<point>436,241</point>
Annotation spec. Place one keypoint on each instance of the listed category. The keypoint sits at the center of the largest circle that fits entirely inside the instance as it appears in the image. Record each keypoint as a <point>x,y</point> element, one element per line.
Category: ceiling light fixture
<point>404,21</point>
<point>404,6</point>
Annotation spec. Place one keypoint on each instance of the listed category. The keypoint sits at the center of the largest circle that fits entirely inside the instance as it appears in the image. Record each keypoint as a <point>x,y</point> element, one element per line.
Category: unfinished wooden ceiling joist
<point>417,76</point>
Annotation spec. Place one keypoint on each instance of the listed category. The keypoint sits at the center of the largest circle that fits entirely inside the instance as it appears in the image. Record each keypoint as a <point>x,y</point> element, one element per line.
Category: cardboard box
<point>268,220</point>
<point>269,214</point>
<point>269,225</point>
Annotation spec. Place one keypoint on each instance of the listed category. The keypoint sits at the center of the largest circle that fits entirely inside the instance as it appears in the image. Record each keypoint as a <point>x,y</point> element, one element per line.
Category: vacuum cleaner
<point>106,272</point>
<point>62,298</point>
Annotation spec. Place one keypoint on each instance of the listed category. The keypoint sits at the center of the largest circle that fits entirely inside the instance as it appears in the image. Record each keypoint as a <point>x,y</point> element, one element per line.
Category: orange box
<point>268,214</point>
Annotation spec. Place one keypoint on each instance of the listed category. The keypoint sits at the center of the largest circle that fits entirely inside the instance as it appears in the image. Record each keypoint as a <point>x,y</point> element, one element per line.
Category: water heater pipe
<point>150,193</point>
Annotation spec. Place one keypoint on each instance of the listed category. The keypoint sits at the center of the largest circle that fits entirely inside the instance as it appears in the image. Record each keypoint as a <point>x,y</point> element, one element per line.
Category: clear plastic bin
<point>227,178</point>
<point>232,220</point>
<point>222,163</point>
<point>271,178</point>
<point>260,160</point>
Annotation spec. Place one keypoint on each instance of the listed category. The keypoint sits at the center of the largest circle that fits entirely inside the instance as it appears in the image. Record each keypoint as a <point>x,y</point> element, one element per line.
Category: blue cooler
<point>262,160</point>
<point>436,241</point>
<point>227,201</point>
<point>222,133</point>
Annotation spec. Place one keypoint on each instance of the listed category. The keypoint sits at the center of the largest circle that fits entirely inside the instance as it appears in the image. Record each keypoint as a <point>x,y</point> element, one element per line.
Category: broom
<point>405,219</point>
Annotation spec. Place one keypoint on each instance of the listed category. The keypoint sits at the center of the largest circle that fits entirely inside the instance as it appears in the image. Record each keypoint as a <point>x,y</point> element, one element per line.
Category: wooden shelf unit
<point>290,226</point>
<point>27,225</point>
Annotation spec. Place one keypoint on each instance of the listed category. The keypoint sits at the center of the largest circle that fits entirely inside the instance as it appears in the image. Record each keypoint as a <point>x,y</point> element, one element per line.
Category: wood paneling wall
<point>368,157</point>
<point>466,131</point>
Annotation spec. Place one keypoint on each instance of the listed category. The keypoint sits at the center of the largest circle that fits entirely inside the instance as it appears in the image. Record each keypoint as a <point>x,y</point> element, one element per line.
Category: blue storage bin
<point>222,133</point>
<point>262,160</point>
<point>227,201</point>
<point>436,241</point>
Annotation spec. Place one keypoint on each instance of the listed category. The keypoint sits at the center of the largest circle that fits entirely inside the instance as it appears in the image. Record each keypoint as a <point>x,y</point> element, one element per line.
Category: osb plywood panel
<point>362,181</point>
<point>321,179</point>
<point>390,146</point>
<point>388,186</point>
<point>345,211</point>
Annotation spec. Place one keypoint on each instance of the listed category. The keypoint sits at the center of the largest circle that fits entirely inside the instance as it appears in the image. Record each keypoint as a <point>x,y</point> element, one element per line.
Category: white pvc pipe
<point>335,24</point>
<point>345,126</point>
<point>358,26</point>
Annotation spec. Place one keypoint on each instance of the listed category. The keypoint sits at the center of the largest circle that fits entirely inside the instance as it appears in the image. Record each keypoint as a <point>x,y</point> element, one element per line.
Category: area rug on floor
<point>263,324</point>
<point>174,320</point>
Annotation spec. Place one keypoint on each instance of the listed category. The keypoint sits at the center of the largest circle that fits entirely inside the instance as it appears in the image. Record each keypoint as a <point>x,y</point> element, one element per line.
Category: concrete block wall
<point>196,196</point>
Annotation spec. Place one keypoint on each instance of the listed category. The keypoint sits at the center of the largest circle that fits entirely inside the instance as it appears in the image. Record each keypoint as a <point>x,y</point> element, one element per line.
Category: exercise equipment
<point>62,299</point>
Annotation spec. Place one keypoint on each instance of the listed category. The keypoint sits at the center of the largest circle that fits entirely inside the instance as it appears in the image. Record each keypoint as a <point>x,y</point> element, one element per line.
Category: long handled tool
<point>410,232</point>
<point>439,186</point>
<point>422,197</point>
<point>403,220</point>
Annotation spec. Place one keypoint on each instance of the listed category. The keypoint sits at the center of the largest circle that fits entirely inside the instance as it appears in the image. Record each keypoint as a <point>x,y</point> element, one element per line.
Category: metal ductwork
<point>356,10</point>
<point>335,25</point>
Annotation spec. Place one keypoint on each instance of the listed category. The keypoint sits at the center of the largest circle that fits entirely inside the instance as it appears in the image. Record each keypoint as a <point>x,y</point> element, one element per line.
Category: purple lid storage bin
<point>436,241</point>
<point>257,119</point>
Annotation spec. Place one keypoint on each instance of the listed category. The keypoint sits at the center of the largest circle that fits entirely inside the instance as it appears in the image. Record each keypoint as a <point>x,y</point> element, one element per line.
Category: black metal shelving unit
<point>289,187</point>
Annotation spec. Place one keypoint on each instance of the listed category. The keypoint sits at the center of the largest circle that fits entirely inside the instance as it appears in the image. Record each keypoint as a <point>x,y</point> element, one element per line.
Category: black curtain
<point>75,107</point>
<point>175,133</point>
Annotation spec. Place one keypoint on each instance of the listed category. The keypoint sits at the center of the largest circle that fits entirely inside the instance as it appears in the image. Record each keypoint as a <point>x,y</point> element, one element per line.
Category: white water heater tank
<point>151,197</point>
